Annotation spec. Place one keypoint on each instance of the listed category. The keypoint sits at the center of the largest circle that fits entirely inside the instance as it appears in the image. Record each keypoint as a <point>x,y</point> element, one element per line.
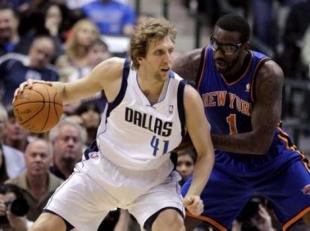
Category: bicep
<point>105,77</point>
<point>196,122</point>
<point>267,108</point>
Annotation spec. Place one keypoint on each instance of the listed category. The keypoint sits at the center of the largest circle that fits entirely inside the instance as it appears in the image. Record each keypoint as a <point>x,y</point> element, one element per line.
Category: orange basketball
<point>38,109</point>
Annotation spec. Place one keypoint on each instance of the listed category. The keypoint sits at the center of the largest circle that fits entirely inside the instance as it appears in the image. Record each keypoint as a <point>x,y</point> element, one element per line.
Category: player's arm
<point>198,129</point>
<point>187,65</point>
<point>266,114</point>
<point>105,76</point>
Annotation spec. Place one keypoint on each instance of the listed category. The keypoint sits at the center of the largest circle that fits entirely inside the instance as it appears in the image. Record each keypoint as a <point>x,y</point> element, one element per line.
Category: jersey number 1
<point>232,123</point>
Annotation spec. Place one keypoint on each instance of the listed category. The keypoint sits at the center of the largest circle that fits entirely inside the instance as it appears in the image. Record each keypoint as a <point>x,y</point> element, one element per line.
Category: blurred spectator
<point>16,69</point>
<point>186,160</point>
<point>13,208</point>
<point>49,22</point>
<point>37,183</point>
<point>90,115</point>
<point>82,35</point>
<point>112,17</point>
<point>265,24</point>
<point>305,53</point>
<point>9,37</point>
<point>14,134</point>
<point>255,216</point>
<point>28,13</point>
<point>295,29</point>
<point>68,141</point>
<point>77,4</point>
<point>12,161</point>
<point>98,52</point>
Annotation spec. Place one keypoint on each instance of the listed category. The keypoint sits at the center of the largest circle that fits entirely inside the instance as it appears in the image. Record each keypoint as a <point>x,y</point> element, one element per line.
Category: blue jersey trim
<point>181,105</point>
<point>122,91</point>
<point>92,148</point>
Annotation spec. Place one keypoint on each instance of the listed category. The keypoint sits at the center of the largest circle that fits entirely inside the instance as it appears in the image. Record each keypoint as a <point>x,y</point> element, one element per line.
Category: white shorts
<point>90,193</point>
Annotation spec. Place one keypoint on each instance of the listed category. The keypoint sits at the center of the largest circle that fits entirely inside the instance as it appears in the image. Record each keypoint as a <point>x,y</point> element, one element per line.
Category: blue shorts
<point>236,178</point>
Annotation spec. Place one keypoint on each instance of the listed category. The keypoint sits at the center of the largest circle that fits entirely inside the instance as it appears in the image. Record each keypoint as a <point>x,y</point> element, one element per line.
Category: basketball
<point>39,108</point>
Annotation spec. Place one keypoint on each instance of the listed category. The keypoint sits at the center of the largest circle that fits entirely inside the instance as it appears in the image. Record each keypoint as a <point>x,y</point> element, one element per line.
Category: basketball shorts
<point>234,181</point>
<point>98,186</point>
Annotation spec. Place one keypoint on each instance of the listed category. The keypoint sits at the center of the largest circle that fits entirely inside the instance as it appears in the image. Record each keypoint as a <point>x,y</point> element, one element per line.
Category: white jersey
<point>137,135</point>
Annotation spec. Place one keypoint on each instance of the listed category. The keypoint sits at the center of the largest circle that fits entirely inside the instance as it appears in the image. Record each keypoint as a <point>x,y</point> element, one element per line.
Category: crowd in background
<point>63,40</point>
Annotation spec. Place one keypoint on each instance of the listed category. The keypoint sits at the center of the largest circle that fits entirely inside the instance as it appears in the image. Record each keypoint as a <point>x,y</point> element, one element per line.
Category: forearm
<point>202,171</point>
<point>246,143</point>
<point>69,92</point>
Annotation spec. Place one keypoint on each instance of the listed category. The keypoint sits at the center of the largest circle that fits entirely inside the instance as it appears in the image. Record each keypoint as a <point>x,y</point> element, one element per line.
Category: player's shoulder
<point>189,58</point>
<point>109,67</point>
<point>271,71</point>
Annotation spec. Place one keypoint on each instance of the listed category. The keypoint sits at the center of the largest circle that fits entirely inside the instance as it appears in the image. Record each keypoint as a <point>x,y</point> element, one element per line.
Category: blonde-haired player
<point>150,109</point>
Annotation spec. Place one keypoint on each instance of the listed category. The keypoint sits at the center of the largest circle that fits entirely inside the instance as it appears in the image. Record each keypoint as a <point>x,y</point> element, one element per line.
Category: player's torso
<point>228,105</point>
<point>138,133</point>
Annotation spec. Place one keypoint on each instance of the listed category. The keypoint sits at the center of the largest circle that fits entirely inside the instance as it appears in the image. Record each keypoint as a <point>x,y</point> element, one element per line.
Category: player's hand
<point>193,204</point>
<point>306,189</point>
<point>29,83</point>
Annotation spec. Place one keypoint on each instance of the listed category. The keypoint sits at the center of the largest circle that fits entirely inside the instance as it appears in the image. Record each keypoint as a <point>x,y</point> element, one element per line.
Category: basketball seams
<point>49,107</point>
<point>45,108</point>
<point>55,104</point>
<point>20,104</point>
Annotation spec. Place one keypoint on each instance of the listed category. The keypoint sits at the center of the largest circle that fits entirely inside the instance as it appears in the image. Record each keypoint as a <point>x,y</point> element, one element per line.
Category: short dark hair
<point>234,22</point>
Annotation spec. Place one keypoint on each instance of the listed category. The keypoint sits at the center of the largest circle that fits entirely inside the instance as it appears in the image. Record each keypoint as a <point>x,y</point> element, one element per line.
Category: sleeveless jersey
<point>137,135</point>
<point>228,105</point>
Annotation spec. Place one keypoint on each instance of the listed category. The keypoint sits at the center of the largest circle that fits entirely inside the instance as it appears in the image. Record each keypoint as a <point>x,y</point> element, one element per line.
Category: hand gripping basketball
<point>37,106</point>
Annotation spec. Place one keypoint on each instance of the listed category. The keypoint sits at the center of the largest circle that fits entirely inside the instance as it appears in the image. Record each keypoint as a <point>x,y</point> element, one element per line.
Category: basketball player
<point>242,95</point>
<point>129,166</point>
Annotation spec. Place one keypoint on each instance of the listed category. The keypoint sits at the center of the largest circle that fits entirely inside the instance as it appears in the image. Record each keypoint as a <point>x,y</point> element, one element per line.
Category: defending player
<point>242,94</point>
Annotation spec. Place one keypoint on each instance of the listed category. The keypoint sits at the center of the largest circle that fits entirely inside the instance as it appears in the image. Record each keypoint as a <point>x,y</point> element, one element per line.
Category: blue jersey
<point>230,102</point>
<point>235,177</point>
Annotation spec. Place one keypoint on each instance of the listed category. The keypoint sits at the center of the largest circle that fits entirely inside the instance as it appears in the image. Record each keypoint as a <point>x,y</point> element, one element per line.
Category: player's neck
<point>151,87</point>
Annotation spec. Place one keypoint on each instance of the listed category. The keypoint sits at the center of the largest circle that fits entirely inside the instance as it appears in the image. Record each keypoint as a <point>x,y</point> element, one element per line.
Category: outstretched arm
<point>198,129</point>
<point>266,114</point>
<point>105,76</point>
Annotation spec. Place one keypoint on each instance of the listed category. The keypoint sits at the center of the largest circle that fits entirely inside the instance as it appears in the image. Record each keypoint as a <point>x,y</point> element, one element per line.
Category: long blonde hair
<point>72,45</point>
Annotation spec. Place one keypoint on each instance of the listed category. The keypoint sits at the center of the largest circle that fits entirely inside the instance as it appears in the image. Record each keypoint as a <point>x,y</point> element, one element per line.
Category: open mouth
<point>165,69</point>
<point>220,64</point>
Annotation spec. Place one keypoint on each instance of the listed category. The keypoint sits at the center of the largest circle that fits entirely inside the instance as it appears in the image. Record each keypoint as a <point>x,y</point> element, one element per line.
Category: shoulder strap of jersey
<point>181,88</point>
<point>122,91</point>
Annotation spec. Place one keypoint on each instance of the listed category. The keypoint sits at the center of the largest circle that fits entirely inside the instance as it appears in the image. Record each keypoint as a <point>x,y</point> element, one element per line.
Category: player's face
<point>158,60</point>
<point>227,49</point>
